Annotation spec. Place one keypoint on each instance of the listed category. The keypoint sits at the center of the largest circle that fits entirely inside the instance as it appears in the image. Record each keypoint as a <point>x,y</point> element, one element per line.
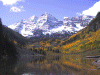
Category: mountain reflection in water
<point>48,65</point>
<point>40,66</point>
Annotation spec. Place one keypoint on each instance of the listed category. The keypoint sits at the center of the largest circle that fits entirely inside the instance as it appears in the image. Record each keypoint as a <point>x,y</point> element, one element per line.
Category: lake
<point>48,65</point>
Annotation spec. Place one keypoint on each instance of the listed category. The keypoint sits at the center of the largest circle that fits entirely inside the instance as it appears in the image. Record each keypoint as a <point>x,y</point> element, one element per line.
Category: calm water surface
<point>49,65</point>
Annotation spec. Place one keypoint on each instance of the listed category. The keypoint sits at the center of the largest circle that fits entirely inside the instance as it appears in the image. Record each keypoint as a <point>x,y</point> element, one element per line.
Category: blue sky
<point>12,11</point>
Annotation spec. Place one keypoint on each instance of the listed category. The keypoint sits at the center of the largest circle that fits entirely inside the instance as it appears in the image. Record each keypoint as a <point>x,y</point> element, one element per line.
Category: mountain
<point>48,24</point>
<point>88,39</point>
<point>25,27</point>
<point>12,43</point>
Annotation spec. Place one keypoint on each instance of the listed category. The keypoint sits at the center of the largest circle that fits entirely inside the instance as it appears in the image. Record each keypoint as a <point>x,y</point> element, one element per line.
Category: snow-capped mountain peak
<point>66,17</point>
<point>48,24</point>
<point>33,18</point>
<point>47,21</point>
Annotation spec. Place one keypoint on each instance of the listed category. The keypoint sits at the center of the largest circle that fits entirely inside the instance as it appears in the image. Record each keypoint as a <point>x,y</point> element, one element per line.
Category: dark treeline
<point>7,47</point>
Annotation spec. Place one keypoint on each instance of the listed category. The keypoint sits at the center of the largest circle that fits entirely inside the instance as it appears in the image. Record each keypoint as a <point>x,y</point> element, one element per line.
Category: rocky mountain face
<point>47,24</point>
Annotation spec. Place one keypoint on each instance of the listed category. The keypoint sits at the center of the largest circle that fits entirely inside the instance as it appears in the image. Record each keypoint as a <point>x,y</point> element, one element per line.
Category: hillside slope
<point>7,47</point>
<point>15,36</point>
<point>84,40</point>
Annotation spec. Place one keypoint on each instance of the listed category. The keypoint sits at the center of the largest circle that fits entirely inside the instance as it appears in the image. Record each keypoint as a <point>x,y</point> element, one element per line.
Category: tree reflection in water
<point>7,66</point>
<point>49,65</point>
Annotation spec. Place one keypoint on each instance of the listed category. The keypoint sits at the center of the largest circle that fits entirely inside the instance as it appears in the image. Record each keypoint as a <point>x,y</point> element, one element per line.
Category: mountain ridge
<point>48,24</point>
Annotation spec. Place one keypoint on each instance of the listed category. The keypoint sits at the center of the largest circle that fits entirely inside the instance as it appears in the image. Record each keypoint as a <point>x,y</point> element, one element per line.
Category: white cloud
<point>92,10</point>
<point>16,9</point>
<point>10,2</point>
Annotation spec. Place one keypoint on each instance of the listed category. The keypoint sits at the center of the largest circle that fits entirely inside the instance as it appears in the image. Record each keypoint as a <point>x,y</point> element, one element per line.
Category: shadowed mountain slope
<point>15,36</point>
<point>7,47</point>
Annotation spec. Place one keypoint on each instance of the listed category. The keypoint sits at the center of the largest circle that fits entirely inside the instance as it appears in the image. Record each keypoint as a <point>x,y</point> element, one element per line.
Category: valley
<point>62,53</point>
